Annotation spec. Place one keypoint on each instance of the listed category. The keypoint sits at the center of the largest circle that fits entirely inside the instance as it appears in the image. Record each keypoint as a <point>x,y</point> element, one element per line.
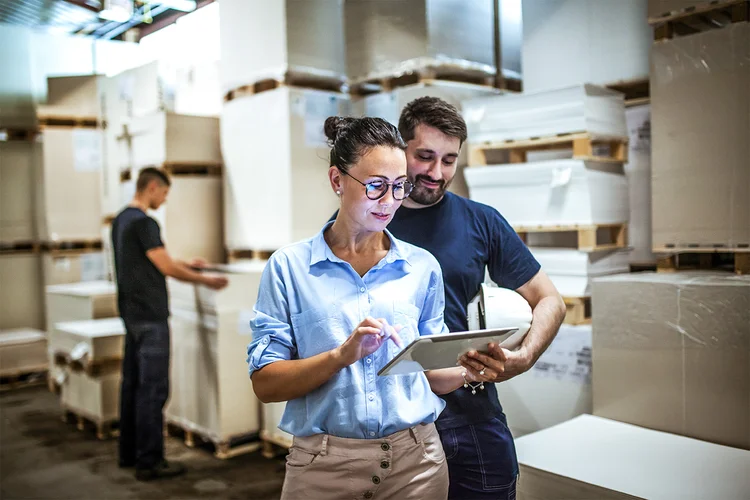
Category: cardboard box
<point>59,268</point>
<point>68,180</point>
<point>73,96</point>
<point>22,350</point>
<point>266,208</point>
<point>21,292</point>
<point>564,192</point>
<point>163,137</point>
<point>392,38</point>
<point>197,199</point>
<point>592,458</point>
<point>211,392</point>
<point>671,352</point>
<point>556,389</point>
<point>572,271</point>
<point>18,162</point>
<point>566,43</point>
<point>388,105</point>
<point>298,36</point>
<point>581,108</point>
<point>80,301</point>
<point>88,342</point>
<point>700,108</point>
<point>638,173</point>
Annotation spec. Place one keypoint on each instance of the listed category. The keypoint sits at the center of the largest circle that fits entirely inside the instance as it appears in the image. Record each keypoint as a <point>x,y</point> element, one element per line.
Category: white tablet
<point>432,352</point>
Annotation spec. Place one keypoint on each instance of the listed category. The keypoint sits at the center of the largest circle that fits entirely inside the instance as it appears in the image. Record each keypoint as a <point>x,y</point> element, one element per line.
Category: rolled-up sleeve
<point>431,319</point>
<point>272,333</point>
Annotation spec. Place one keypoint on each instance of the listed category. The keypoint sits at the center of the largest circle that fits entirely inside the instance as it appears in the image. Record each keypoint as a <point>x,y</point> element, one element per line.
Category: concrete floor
<point>42,457</point>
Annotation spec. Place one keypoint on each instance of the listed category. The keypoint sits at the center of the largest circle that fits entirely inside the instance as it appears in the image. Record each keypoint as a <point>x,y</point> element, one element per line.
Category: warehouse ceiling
<point>83,16</point>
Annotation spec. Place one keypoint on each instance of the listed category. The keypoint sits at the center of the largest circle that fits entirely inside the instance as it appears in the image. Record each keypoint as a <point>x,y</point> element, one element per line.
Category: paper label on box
<point>383,106</point>
<point>93,267</point>
<point>243,322</point>
<point>318,107</point>
<point>87,150</point>
<point>568,358</point>
<point>62,265</point>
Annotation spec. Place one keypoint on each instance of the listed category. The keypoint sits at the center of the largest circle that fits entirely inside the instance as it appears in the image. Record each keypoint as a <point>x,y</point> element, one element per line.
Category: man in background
<point>142,264</point>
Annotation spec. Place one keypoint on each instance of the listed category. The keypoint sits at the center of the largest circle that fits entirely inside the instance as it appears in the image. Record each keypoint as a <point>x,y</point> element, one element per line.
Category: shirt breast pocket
<point>407,316</point>
<point>317,330</point>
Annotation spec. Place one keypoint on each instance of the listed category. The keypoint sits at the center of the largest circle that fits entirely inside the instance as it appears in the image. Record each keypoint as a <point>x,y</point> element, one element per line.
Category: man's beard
<point>425,196</point>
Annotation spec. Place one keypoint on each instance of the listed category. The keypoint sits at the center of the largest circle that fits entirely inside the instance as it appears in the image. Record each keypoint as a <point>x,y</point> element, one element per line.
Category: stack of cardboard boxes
<point>671,350</point>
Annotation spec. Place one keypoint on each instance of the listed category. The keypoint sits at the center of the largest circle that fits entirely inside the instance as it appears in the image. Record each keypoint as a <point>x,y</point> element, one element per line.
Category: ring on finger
<point>482,371</point>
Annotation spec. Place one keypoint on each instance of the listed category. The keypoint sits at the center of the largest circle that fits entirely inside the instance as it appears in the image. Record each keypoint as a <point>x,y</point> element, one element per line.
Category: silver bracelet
<point>473,386</point>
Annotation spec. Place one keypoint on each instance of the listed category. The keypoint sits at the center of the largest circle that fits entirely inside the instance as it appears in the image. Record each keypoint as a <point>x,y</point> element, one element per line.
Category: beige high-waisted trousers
<point>408,464</point>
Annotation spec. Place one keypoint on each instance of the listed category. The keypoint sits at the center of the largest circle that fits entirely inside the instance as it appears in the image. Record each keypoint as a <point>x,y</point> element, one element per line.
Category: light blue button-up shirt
<point>310,301</point>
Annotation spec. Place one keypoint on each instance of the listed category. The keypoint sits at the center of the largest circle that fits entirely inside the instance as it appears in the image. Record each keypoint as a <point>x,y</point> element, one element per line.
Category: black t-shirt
<point>466,237</point>
<point>141,287</point>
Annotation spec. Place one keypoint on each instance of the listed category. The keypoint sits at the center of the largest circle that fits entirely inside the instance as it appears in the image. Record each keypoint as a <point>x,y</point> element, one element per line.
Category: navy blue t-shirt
<point>141,287</point>
<point>465,237</point>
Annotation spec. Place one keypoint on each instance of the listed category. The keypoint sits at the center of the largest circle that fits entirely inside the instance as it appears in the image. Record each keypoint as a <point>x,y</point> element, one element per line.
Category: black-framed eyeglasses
<point>377,188</point>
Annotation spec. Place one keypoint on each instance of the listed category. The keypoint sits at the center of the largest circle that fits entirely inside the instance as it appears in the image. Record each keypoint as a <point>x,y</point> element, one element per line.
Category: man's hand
<point>500,365</point>
<point>198,263</point>
<point>215,282</point>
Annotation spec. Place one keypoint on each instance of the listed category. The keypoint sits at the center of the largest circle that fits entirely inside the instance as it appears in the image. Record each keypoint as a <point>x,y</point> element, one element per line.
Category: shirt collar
<point>320,250</point>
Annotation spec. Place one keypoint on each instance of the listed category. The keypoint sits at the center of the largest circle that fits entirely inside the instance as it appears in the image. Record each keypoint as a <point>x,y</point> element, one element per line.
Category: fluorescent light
<point>116,14</point>
<point>183,5</point>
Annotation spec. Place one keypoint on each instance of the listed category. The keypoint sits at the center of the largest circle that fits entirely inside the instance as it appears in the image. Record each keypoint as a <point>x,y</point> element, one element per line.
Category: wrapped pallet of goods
<point>303,44</point>
<point>289,122</point>
<point>212,396</point>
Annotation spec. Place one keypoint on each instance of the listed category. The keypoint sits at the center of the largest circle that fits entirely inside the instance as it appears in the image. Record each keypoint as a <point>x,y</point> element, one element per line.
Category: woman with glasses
<point>331,311</point>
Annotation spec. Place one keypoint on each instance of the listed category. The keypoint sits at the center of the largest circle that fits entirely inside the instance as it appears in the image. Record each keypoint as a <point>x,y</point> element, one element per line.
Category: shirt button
<point>384,464</point>
<point>371,397</point>
<point>368,361</point>
<point>375,479</point>
<point>372,433</point>
<point>385,447</point>
<point>368,494</point>
<point>362,289</point>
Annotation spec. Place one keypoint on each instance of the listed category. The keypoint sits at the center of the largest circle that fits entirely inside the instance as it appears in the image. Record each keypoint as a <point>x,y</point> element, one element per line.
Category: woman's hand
<point>366,338</point>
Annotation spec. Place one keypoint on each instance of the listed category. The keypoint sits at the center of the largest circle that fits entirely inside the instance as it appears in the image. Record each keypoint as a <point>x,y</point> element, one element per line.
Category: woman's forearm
<point>287,380</point>
<point>445,380</point>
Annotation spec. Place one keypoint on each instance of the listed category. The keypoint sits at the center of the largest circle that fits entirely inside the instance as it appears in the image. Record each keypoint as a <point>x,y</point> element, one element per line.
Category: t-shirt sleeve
<point>511,264</point>
<point>149,234</point>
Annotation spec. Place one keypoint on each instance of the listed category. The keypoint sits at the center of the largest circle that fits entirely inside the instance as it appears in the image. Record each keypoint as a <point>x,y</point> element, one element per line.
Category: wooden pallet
<point>57,246</point>
<point>585,146</point>
<point>223,450</point>
<point>291,79</point>
<point>175,169</point>
<point>591,238</point>
<point>681,258</point>
<point>428,75</point>
<point>578,310</point>
<point>635,91</point>
<point>104,429</point>
<point>18,134</point>
<point>21,379</point>
<point>700,18</point>
<point>274,446</point>
<point>67,121</point>
<point>15,247</point>
<point>645,267</point>
<point>240,254</point>
<point>96,368</point>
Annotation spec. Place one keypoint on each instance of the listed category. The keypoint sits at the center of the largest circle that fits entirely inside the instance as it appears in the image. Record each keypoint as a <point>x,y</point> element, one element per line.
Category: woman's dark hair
<point>350,138</point>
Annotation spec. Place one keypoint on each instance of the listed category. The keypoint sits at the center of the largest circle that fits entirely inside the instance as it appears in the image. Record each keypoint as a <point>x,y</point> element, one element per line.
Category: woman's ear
<point>336,179</point>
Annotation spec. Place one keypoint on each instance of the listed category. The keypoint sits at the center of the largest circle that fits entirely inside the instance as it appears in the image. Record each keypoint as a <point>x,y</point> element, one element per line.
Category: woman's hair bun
<point>334,126</point>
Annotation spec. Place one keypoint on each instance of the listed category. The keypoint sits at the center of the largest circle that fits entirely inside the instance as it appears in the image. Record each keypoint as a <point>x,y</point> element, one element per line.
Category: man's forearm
<point>548,315</point>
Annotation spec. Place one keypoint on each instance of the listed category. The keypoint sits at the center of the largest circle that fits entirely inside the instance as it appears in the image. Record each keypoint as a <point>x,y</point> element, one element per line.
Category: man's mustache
<point>427,178</point>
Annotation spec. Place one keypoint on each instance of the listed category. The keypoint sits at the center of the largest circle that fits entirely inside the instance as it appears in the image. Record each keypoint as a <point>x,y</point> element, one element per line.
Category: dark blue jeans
<point>482,463</point>
<point>143,394</point>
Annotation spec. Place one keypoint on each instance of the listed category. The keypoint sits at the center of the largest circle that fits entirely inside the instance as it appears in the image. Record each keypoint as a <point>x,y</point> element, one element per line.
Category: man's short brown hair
<point>149,174</point>
<point>434,112</point>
